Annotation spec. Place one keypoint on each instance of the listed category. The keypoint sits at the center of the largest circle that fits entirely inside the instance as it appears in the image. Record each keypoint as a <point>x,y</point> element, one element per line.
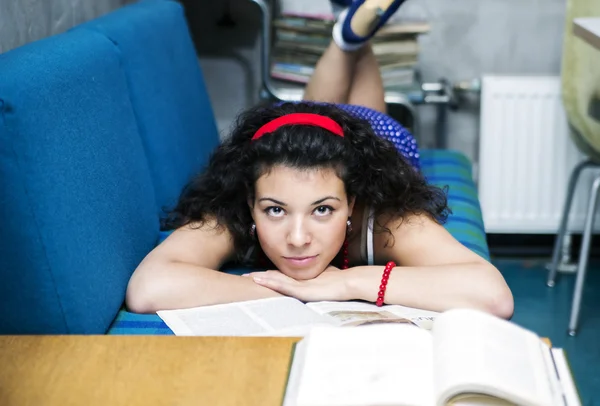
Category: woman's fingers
<point>276,281</point>
<point>278,284</point>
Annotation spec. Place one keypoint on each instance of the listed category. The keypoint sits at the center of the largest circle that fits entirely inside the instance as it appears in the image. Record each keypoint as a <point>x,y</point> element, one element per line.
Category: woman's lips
<point>301,261</point>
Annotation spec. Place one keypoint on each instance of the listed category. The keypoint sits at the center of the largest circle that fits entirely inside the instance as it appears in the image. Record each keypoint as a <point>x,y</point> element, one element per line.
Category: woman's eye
<point>323,210</point>
<point>274,211</point>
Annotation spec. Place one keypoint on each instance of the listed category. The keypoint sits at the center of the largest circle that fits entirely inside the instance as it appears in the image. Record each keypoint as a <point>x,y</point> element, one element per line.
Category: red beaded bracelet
<point>384,280</point>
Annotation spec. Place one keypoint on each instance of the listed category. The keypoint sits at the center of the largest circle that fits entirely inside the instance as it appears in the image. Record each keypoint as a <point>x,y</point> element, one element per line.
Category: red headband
<point>316,120</point>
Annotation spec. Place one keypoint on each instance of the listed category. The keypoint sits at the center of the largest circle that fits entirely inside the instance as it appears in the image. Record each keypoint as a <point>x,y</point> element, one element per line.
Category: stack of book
<point>300,40</point>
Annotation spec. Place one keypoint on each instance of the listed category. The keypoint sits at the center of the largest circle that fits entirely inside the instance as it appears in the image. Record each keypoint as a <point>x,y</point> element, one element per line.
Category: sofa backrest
<point>100,129</point>
<point>167,90</point>
<point>77,202</point>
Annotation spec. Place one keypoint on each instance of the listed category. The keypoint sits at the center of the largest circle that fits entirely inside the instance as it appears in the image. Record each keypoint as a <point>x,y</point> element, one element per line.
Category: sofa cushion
<point>452,169</point>
<point>77,210</point>
<point>441,167</point>
<point>167,90</point>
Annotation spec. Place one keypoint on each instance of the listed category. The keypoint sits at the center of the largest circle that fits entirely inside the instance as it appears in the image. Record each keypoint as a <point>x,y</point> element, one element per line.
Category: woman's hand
<point>328,286</point>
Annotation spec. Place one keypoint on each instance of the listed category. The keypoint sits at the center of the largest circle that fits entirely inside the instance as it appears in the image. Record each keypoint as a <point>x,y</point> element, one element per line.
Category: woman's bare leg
<point>350,74</point>
<point>332,79</point>
<point>347,78</point>
<point>367,85</point>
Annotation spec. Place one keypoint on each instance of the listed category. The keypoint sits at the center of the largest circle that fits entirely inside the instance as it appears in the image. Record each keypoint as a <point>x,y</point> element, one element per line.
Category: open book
<point>468,358</point>
<point>286,316</point>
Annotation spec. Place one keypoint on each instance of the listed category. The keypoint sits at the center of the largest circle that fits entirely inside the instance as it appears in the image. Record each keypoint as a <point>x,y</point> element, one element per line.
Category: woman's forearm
<point>177,285</point>
<point>437,288</point>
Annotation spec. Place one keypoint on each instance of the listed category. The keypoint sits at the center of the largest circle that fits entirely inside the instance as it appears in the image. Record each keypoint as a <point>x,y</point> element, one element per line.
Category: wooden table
<point>143,370</point>
<point>588,28</point>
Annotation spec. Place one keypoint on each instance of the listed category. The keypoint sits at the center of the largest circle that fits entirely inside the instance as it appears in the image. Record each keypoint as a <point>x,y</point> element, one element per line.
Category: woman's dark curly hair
<point>372,169</point>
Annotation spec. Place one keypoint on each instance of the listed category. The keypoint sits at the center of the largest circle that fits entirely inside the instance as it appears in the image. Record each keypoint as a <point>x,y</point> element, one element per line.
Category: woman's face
<point>300,218</point>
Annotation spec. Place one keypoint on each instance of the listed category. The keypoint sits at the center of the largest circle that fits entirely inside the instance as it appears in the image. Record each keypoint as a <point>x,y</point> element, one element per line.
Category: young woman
<point>327,196</point>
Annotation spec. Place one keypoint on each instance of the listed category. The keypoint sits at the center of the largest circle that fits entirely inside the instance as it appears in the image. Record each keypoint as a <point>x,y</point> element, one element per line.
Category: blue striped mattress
<point>441,167</point>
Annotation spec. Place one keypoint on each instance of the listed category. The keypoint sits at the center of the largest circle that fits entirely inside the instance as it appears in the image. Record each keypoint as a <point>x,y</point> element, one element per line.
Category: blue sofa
<point>100,128</point>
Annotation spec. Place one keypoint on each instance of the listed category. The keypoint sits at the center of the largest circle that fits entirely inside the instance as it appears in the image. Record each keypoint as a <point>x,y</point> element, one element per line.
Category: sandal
<point>365,17</point>
<point>338,6</point>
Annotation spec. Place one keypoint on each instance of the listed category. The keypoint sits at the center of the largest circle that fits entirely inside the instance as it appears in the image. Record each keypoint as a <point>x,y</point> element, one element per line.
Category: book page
<point>571,395</point>
<point>360,313</point>
<point>293,382</point>
<point>274,316</point>
<point>389,364</point>
<point>475,352</point>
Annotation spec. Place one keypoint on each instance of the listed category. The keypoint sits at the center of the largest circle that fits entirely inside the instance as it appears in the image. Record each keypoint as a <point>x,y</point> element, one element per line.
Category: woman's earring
<point>252,230</point>
<point>349,226</point>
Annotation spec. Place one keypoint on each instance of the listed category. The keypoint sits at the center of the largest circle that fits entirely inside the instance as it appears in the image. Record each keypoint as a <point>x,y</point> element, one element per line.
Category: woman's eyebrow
<point>263,199</point>
<point>325,198</point>
<point>270,199</point>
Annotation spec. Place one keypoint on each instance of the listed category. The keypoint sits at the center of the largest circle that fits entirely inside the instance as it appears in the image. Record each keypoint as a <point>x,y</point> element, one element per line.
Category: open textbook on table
<point>285,316</point>
<point>468,358</point>
<point>395,355</point>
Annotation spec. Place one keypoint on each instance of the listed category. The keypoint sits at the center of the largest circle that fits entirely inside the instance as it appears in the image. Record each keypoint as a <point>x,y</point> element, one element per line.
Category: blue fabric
<point>386,127</point>
<point>128,323</point>
<point>171,104</point>
<point>77,211</point>
<point>451,169</point>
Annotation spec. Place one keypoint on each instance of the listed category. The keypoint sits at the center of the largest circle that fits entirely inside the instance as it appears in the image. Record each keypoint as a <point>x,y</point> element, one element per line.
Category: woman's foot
<point>361,21</point>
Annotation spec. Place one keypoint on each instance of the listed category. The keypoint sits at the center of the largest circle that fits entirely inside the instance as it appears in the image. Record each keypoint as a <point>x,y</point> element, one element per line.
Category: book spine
<point>299,40</point>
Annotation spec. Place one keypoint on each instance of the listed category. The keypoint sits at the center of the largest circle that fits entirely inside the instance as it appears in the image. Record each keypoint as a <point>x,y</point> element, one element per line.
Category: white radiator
<point>526,156</point>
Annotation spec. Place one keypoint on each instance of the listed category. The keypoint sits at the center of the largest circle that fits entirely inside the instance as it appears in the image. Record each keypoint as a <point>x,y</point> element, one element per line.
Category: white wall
<point>23,21</point>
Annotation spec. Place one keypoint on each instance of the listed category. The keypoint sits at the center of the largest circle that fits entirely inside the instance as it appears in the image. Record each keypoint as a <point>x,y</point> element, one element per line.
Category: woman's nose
<point>298,234</point>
